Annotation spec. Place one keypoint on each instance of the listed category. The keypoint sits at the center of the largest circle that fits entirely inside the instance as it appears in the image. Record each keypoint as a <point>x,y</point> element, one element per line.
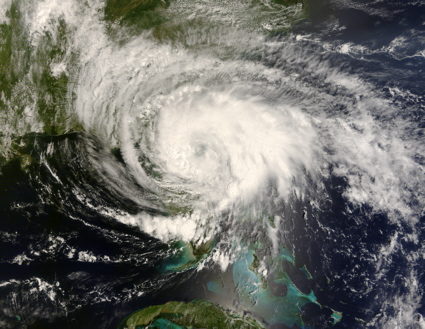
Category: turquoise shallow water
<point>216,286</point>
<point>260,300</point>
<point>181,258</point>
<point>165,324</point>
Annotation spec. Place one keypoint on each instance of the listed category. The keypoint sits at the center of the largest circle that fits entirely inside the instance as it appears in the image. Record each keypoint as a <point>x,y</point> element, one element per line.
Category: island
<point>180,315</point>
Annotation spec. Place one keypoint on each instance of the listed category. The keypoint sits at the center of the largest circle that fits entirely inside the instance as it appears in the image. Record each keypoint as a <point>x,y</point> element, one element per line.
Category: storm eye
<point>200,150</point>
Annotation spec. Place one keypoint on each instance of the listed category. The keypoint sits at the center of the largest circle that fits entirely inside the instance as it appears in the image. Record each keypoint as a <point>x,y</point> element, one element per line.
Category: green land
<point>195,314</point>
<point>186,256</point>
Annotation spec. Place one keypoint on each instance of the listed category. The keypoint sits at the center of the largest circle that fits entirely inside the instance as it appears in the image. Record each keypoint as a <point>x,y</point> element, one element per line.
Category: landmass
<point>195,314</point>
<point>186,256</point>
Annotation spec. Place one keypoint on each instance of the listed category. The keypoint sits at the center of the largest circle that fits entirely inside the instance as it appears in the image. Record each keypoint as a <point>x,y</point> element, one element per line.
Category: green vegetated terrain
<point>181,22</point>
<point>135,15</point>
<point>195,314</point>
<point>125,9</point>
<point>186,256</point>
<point>34,98</point>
